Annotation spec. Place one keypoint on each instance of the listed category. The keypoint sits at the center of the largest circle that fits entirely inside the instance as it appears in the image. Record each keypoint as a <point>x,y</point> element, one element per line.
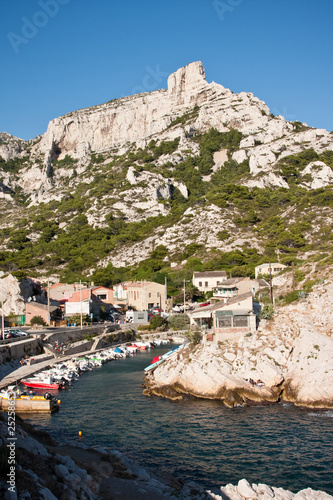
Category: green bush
<point>158,322</point>
<point>37,320</point>
<point>267,312</point>
<point>179,321</point>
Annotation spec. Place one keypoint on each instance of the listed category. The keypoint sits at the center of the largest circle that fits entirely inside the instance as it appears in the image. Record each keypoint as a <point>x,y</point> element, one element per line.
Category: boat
<point>27,402</point>
<point>153,365</point>
<point>44,382</point>
<point>159,359</point>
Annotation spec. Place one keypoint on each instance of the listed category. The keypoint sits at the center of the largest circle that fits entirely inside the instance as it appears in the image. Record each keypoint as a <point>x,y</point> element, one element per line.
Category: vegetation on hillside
<point>57,237</point>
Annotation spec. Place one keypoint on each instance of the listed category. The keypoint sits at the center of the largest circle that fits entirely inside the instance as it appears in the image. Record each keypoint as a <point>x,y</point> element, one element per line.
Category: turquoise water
<point>198,440</point>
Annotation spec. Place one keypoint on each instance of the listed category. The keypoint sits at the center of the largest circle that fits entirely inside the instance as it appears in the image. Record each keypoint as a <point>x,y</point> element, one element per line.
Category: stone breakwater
<point>292,355</point>
<point>46,470</point>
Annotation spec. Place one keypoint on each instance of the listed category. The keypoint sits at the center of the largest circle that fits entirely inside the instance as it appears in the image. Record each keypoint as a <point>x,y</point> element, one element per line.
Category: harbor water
<point>279,445</point>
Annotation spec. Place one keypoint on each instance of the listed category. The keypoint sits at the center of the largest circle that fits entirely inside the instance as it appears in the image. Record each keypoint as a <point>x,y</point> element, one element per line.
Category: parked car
<point>17,332</point>
<point>203,304</point>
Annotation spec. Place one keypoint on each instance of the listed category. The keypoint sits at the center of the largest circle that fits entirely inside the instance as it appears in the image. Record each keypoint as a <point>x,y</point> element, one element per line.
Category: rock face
<point>292,356</point>
<point>117,125</point>
<point>15,294</point>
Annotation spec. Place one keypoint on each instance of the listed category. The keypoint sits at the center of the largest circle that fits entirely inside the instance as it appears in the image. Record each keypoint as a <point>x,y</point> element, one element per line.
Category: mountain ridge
<point>194,165</point>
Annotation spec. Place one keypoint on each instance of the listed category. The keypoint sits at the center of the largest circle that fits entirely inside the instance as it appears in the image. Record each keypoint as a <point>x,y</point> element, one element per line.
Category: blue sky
<point>61,55</point>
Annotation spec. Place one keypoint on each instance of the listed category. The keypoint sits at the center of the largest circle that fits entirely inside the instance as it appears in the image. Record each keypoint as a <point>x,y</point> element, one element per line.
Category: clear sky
<point>61,55</point>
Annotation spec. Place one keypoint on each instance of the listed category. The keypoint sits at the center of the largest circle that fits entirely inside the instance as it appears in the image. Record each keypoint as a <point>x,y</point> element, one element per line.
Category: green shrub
<point>179,321</point>
<point>267,312</point>
<point>37,320</point>
<point>158,322</point>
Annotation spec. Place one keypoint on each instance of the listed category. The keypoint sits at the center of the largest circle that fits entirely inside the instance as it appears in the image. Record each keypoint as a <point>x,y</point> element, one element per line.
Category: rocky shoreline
<point>47,470</point>
<point>291,356</point>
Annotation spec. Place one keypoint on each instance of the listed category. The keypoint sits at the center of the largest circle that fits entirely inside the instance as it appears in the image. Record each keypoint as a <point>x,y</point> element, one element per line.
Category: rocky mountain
<point>195,170</point>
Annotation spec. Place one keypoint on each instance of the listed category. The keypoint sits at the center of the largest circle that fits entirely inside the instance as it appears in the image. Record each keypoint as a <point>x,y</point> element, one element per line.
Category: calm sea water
<point>198,440</point>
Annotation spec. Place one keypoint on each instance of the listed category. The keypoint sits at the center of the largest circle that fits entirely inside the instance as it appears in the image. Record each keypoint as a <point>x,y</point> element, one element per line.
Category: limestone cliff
<point>114,127</point>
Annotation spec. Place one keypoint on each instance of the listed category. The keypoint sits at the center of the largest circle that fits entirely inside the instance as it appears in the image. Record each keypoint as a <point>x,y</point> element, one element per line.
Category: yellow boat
<point>13,400</point>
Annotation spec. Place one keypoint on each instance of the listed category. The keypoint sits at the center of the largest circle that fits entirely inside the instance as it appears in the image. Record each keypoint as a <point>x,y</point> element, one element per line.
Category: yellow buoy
<point>80,433</point>
<point>58,401</point>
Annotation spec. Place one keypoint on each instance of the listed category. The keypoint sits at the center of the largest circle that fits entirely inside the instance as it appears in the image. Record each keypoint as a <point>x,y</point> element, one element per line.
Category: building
<point>207,280</point>
<point>267,269</point>
<point>120,292</point>
<point>237,286</point>
<point>90,301</point>
<point>144,295</point>
<point>103,295</point>
<point>236,316</point>
<point>43,310</point>
<point>62,291</point>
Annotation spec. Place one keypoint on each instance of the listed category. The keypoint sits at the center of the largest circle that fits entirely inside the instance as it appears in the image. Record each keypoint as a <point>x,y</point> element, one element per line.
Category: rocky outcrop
<point>14,294</point>
<point>292,355</point>
<point>11,146</point>
<point>131,122</point>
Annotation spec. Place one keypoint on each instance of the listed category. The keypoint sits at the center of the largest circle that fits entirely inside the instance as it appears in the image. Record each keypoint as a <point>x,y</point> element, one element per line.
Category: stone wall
<point>20,349</point>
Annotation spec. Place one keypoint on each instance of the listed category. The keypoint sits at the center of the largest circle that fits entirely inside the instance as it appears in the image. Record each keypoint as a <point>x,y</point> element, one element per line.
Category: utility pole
<point>81,304</point>
<point>165,294</point>
<point>48,302</point>
<point>293,271</point>
<point>270,282</point>
<point>2,321</point>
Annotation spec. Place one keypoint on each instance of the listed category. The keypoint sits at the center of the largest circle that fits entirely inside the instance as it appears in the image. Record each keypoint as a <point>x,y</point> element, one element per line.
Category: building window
<point>134,295</point>
<point>158,294</point>
<point>240,321</point>
<point>224,322</point>
<point>149,295</point>
<point>200,283</point>
<point>206,284</point>
<point>103,296</point>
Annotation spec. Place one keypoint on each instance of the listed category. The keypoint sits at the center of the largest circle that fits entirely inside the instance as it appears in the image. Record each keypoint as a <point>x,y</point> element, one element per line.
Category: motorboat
<point>43,382</point>
<point>27,401</point>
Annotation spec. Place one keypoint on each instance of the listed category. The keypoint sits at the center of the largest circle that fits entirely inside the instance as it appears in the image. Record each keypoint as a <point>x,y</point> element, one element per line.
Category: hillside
<point>194,177</point>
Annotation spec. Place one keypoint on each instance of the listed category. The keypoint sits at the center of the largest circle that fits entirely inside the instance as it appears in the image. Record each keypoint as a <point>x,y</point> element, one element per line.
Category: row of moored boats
<point>62,375</point>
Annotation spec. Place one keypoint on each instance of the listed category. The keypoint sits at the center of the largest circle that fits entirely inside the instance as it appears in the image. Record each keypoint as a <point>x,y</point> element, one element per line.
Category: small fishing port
<point>198,440</point>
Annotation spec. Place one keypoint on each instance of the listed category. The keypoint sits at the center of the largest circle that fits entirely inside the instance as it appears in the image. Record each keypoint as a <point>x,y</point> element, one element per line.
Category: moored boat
<point>46,382</point>
<point>159,359</point>
<point>22,402</point>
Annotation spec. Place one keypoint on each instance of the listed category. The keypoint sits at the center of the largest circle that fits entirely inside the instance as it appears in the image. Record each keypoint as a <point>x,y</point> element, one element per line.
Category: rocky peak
<point>186,83</point>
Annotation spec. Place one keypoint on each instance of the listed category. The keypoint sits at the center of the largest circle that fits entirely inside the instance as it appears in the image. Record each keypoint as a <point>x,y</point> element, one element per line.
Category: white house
<point>205,281</point>
<point>270,268</point>
<point>236,316</point>
<point>237,286</point>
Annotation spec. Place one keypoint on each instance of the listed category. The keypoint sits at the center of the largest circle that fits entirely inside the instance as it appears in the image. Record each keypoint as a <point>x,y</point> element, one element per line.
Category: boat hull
<point>29,405</point>
<point>41,385</point>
